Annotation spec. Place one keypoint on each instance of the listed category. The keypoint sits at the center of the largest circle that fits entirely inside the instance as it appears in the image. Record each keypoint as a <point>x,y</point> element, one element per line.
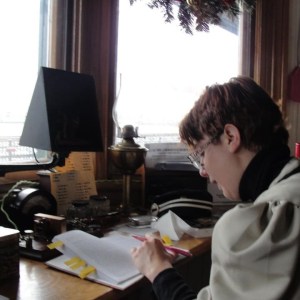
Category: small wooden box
<point>9,253</point>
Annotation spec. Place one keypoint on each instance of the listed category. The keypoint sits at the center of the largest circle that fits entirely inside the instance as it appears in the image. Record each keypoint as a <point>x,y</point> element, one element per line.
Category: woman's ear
<point>232,137</point>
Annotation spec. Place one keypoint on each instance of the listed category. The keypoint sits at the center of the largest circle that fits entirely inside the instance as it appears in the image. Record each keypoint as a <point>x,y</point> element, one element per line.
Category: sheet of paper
<point>109,255</point>
<point>70,186</point>
<point>59,263</point>
<point>74,181</point>
<point>173,226</point>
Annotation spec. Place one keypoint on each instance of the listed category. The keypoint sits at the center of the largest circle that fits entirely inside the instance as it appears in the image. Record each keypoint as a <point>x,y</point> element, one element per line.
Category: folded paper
<point>174,227</point>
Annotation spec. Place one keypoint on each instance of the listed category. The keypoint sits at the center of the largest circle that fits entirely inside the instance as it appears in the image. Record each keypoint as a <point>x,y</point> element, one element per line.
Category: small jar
<point>78,215</point>
<point>100,205</point>
<point>79,209</point>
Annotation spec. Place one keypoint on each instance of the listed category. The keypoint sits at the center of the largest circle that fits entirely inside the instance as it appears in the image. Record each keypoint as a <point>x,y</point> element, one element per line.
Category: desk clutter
<point>107,260</point>
<point>92,216</point>
<point>33,242</point>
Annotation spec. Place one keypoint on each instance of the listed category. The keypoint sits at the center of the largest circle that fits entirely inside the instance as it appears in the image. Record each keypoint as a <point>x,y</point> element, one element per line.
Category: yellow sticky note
<point>72,261</point>
<point>166,240</point>
<point>78,264</point>
<point>86,271</point>
<point>55,245</point>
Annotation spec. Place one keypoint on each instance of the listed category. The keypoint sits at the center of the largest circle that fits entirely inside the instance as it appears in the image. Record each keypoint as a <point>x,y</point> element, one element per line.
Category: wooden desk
<point>37,281</point>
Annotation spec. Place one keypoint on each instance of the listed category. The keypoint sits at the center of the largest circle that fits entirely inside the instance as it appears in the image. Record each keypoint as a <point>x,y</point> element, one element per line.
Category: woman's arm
<point>170,285</point>
<point>155,263</point>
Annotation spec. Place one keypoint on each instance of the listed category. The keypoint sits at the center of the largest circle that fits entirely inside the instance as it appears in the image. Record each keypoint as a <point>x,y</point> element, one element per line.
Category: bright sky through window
<point>19,31</point>
<point>19,61</point>
<point>162,70</point>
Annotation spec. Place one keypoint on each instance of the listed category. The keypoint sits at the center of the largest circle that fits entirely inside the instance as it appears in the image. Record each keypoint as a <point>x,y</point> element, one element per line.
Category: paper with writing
<point>74,181</point>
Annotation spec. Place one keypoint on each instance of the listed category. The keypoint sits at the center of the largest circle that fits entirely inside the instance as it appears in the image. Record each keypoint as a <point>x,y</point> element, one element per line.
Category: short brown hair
<point>241,102</point>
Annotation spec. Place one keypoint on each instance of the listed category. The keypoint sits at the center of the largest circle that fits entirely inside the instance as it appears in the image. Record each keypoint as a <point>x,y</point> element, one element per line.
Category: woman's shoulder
<point>285,187</point>
<point>290,171</point>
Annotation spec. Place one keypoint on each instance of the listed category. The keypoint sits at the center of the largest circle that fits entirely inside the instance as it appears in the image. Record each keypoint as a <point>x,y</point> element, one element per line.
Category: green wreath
<point>202,12</point>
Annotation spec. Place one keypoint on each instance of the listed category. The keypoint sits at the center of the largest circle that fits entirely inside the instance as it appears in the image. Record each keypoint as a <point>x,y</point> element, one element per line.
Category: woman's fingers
<point>155,235</point>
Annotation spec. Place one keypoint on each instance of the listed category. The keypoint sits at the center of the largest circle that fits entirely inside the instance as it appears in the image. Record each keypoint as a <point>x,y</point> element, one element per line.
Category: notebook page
<point>110,255</point>
<point>99,277</point>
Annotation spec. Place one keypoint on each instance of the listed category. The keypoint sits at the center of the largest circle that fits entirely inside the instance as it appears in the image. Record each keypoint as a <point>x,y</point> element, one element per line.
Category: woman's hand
<point>151,257</point>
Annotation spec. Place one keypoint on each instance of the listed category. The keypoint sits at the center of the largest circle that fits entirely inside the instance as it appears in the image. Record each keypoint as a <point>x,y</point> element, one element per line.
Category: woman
<point>238,140</point>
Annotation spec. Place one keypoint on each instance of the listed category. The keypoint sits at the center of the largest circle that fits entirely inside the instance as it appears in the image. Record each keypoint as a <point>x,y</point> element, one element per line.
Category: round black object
<point>26,203</point>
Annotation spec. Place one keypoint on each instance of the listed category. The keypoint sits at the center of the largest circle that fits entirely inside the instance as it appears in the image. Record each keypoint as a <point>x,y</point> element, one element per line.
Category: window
<point>161,70</point>
<point>24,33</point>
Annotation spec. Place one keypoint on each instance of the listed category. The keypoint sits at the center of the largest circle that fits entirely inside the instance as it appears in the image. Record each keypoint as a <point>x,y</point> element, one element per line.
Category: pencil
<point>171,248</point>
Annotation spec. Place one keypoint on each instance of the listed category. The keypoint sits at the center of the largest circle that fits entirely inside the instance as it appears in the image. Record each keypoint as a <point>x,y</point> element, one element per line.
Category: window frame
<point>86,39</point>
<point>90,47</point>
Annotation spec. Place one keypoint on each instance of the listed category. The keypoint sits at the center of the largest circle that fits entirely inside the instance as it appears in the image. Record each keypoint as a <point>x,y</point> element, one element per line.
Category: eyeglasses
<point>197,156</point>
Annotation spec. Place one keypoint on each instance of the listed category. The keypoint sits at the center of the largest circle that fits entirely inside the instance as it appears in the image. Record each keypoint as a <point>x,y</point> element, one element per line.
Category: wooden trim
<point>246,28</point>
<point>84,38</point>
<point>271,48</point>
<point>96,50</point>
<point>58,34</point>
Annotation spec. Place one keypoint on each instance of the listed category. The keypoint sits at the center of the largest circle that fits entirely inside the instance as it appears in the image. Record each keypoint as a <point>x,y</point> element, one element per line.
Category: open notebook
<point>105,260</point>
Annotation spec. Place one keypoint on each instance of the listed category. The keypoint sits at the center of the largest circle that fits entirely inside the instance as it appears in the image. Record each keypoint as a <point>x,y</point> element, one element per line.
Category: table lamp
<point>127,156</point>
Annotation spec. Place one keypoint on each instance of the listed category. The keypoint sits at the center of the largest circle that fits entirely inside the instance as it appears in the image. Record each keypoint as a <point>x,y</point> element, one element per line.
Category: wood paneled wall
<point>271,47</point>
<point>293,108</point>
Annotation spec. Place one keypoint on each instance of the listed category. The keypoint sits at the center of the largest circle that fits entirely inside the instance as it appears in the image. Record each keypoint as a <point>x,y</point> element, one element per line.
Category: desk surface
<point>38,281</point>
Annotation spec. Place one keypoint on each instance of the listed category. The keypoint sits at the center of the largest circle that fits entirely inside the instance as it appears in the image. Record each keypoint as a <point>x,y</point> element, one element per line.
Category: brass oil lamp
<point>127,156</point>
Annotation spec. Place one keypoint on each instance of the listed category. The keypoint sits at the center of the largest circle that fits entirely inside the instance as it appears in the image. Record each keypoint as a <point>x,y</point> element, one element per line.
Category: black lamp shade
<point>63,113</point>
